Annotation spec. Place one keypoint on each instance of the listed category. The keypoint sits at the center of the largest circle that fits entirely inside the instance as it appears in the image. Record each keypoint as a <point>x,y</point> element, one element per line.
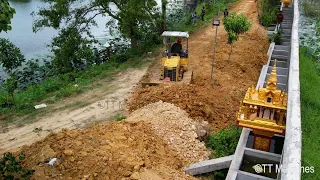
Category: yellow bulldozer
<point>174,61</point>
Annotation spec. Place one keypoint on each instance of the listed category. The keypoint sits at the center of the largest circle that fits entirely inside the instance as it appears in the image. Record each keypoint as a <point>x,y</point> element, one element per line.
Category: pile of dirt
<point>118,150</point>
<point>173,125</point>
<point>231,79</point>
<point>200,102</point>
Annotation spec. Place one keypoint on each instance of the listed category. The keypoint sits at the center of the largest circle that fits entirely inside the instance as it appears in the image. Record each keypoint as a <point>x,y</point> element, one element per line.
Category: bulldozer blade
<point>144,84</point>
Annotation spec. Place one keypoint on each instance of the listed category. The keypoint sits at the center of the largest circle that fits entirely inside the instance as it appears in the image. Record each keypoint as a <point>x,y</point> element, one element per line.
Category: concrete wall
<point>291,160</point>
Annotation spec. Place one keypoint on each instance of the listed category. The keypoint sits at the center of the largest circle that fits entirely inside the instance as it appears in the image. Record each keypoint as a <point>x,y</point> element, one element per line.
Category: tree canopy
<point>235,25</point>
<point>10,55</point>
<point>6,14</point>
<point>133,18</point>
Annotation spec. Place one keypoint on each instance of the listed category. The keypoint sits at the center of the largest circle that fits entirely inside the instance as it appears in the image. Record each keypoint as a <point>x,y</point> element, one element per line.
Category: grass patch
<point>310,112</point>
<point>120,117</point>
<point>222,143</point>
<point>56,88</point>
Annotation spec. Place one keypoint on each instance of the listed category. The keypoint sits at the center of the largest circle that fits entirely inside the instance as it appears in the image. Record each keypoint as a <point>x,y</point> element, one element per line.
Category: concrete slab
<point>280,52</point>
<point>248,176</point>
<point>281,47</point>
<point>209,165</point>
<point>238,155</point>
<point>286,44</point>
<point>282,64</point>
<point>280,71</point>
<point>262,76</point>
<point>280,57</point>
<point>262,154</point>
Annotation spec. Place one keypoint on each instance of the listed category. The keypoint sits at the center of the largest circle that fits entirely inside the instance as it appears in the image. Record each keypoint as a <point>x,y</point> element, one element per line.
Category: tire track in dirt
<point>78,118</point>
<point>218,105</point>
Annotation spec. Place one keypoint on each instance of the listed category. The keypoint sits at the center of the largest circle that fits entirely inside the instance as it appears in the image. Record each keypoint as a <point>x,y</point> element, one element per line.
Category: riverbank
<point>310,110</point>
<point>55,89</point>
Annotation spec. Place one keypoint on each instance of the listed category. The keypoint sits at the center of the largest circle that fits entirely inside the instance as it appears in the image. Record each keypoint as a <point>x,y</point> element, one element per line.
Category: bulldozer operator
<point>176,48</point>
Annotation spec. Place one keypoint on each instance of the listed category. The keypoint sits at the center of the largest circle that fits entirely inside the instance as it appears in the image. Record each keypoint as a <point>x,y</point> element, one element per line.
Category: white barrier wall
<point>291,160</point>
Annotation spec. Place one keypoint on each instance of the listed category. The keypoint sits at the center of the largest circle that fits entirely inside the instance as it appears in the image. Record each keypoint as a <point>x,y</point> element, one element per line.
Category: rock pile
<point>174,126</point>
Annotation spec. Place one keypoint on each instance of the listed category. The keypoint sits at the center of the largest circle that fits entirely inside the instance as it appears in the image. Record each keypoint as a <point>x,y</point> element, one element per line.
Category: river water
<point>34,45</point>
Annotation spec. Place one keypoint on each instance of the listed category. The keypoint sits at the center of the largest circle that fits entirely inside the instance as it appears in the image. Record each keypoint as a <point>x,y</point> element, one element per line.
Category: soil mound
<point>118,150</point>
<point>231,79</point>
<point>174,126</point>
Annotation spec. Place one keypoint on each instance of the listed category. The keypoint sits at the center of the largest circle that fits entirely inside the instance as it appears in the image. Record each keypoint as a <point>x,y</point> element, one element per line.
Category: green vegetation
<point>120,117</point>
<point>75,66</point>
<point>311,8</point>
<point>276,37</point>
<point>10,167</point>
<point>223,143</point>
<point>10,59</point>
<point>182,21</point>
<point>55,88</point>
<point>235,25</point>
<point>311,26</point>
<point>310,111</point>
<point>267,11</point>
<point>6,14</point>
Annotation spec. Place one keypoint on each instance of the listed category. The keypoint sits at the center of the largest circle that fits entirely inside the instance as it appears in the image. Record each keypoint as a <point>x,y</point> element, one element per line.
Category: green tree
<point>10,55</point>
<point>10,59</point>
<point>6,14</point>
<point>164,4</point>
<point>71,51</point>
<point>131,16</point>
<point>235,25</point>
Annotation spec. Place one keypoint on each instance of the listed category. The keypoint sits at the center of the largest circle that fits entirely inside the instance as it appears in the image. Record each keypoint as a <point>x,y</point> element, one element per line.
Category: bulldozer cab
<point>170,39</point>
<point>175,59</point>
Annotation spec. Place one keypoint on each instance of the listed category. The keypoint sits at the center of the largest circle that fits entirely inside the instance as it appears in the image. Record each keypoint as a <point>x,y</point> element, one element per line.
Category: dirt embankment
<point>156,142</point>
<point>218,105</point>
<point>111,151</point>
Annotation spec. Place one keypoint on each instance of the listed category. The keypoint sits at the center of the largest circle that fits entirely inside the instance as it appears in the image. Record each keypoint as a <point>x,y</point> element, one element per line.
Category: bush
<point>33,73</point>
<point>268,18</point>
<point>276,37</point>
<point>267,11</point>
<point>224,142</point>
<point>10,167</point>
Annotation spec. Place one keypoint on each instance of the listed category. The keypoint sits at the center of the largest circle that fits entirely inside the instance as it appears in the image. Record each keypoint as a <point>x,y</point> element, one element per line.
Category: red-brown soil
<point>119,150</point>
<point>219,104</point>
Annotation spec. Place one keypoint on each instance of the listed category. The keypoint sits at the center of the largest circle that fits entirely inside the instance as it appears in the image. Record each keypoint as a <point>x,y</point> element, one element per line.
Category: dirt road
<point>109,104</point>
<point>218,105</point>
